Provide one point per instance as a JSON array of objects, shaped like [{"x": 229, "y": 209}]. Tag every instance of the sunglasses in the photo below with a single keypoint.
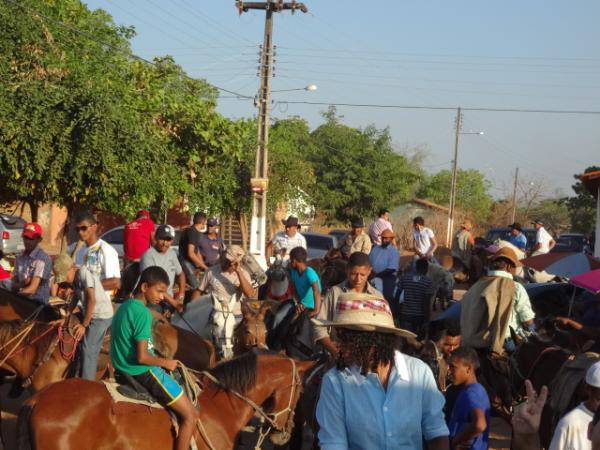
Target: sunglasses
[{"x": 83, "y": 227}]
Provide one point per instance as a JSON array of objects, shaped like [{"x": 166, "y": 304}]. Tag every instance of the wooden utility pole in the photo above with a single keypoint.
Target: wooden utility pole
[
  {"x": 451, "y": 209},
  {"x": 514, "y": 197},
  {"x": 260, "y": 183}
]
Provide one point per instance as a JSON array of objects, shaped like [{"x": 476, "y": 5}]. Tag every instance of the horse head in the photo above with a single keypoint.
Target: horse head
[{"x": 251, "y": 331}]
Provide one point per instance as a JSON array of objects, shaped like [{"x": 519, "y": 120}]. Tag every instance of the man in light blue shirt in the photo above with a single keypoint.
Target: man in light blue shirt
[
  {"x": 377, "y": 398},
  {"x": 517, "y": 238},
  {"x": 385, "y": 259}
]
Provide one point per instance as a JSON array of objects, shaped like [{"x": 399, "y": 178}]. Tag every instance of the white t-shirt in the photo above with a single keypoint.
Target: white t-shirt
[
  {"x": 86, "y": 279},
  {"x": 543, "y": 238},
  {"x": 281, "y": 240},
  {"x": 102, "y": 260},
  {"x": 423, "y": 240},
  {"x": 571, "y": 431}
]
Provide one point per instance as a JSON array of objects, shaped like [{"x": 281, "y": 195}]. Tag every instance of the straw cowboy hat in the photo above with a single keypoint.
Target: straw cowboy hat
[
  {"x": 364, "y": 312},
  {"x": 509, "y": 254}
]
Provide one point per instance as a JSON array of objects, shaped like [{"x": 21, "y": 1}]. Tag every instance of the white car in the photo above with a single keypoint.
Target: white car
[{"x": 114, "y": 237}]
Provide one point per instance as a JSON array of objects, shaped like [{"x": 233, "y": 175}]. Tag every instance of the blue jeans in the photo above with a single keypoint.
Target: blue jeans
[
  {"x": 386, "y": 285},
  {"x": 91, "y": 346}
]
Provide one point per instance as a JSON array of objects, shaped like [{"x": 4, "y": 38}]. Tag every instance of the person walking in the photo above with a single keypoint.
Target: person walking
[
  {"x": 376, "y": 397},
  {"x": 137, "y": 236},
  {"x": 95, "y": 306},
  {"x": 469, "y": 422},
  {"x": 543, "y": 240},
  {"x": 381, "y": 224},
  {"x": 162, "y": 255}
]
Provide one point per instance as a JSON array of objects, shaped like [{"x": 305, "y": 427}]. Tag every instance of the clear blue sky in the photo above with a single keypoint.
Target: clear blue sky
[{"x": 538, "y": 54}]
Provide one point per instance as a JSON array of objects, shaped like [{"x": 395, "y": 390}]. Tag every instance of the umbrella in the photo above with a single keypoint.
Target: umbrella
[
  {"x": 567, "y": 265},
  {"x": 589, "y": 281}
]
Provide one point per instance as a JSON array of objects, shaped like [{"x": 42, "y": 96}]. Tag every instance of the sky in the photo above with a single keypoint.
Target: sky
[{"x": 538, "y": 54}]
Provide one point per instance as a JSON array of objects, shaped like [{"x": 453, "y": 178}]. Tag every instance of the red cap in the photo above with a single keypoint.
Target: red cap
[
  {"x": 143, "y": 213},
  {"x": 32, "y": 230}
]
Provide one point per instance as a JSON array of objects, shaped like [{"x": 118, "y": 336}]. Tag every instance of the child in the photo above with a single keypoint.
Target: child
[
  {"x": 132, "y": 351},
  {"x": 95, "y": 305},
  {"x": 470, "y": 420},
  {"x": 307, "y": 285}
]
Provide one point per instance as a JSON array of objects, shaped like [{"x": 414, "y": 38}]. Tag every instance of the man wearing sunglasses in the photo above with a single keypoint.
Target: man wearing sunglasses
[
  {"x": 33, "y": 267},
  {"x": 100, "y": 257}
]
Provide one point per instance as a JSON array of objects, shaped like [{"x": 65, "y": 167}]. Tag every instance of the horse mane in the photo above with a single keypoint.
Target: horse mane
[{"x": 239, "y": 374}]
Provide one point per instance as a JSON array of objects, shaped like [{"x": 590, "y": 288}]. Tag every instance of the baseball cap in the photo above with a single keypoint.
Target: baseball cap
[
  {"x": 537, "y": 222},
  {"x": 166, "y": 232},
  {"x": 32, "y": 230},
  {"x": 143, "y": 213},
  {"x": 212, "y": 222},
  {"x": 61, "y": 266},
  {"x": 592, "y": 376}
]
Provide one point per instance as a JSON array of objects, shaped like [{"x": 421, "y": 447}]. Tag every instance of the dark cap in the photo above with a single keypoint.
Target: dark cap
[
  {"x": 537, "y": 222},
  {"x": 212, "y": 222},
  {"x": 166, "y": 232},
  {"x": 516, "y": 226},
  {"x": 357, "y": 223},
  {"x": 291, "y": 221}
]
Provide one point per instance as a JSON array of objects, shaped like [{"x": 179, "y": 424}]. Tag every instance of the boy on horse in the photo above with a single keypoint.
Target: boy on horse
[{"x": 132, "y": 353}]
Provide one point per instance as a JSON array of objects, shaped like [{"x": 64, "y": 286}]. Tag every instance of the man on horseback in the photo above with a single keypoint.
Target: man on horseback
[
  {"x": 132, "y": 352},
  {"x": 226, "y": 283},
  {"x": 356, "y": 240},
  {"x": 33, "y": 267},
  {"x": 359, "y": 269},
  {"x": 137, "y": 236},
  {"x": 162, "y": 255},
  {"x": 463, "y": 243},
  {"x": 285, "y": 241}
]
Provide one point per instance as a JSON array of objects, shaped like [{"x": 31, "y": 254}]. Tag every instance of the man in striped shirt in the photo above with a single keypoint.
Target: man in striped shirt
[{"x": 412, "y": 300}]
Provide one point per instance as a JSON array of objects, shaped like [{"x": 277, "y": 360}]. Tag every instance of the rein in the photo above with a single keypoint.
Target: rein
[{"x": 265, "y": 417}]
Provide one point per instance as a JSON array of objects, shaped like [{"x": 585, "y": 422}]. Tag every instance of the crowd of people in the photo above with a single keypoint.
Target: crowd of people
[{"x": 357, "y": 322}]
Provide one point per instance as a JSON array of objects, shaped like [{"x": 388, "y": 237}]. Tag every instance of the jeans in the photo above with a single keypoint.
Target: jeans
[
  {"x": 91, "y": 346},
  {"x": 188, "y": 270},
  {"x": 386, "y": 285}
]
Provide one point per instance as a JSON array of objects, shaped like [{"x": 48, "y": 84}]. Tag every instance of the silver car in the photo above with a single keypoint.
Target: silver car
[
  {"x": 114, "y": 237},
  {"x": 11, "y": 227}
]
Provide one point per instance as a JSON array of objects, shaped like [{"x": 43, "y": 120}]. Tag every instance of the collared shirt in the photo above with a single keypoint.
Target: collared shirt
[
  {"x": 384, "y": 258},
  {"x": 355, "y": 411},
  {"x": 328, "y": 304},
  {"x": 282, "y": 241},
  {"x": 521, "y": 310},
  {"x": 519, "y": 241},
  {"x": 377, "y": 227},
  {"x": 362, "y": 243},
  {"x": 34, "y": 264}
]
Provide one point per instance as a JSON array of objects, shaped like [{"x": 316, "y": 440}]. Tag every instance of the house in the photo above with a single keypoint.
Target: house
[{"x": 591, "y": 181}]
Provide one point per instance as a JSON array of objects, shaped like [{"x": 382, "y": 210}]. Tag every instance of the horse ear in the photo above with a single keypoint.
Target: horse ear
[
  {"x": 263, "y": 310},
  {"x": 246, "y": 311}
]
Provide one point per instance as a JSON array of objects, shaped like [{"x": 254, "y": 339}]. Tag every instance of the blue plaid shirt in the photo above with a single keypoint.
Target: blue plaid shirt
[
  {"x": 35, "y": 264},
  {"x": 355, "y": 412}
]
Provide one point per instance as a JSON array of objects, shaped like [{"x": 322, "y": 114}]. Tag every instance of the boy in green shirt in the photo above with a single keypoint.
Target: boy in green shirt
[{"x": 132, "y": 351}]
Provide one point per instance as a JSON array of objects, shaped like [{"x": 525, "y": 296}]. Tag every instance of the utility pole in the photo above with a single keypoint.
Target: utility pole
[
  {"x": 450, "y": 228},
  {"x": 514, "y": 197},
  {"x": 260, "y": 182}
]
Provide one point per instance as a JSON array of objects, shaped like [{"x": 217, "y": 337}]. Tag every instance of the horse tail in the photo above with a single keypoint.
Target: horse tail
[{"x": 24, "y": 437}]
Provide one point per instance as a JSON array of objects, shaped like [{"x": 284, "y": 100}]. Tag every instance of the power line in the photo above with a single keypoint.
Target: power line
[{"x": 125, "y": 52}]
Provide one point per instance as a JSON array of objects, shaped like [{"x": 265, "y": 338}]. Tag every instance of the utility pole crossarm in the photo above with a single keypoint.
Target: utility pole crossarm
[{"x": 275, "y": 6}]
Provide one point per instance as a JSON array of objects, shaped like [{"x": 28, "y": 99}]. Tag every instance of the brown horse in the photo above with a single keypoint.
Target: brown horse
[
  {"x": 251, "y": 332},
  {"x": 76, "y": 414},
  {"x": 17, "y": 307}
]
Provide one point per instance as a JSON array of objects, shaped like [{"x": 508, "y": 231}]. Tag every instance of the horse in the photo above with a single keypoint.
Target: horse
[
  {"x": 17, "y": 307},
  {"x": 251, "y": 332},
  {"x": 234, "y": 391}
]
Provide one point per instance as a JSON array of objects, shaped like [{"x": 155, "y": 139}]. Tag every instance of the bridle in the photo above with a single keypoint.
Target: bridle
[{"x": 271, "y": 419}]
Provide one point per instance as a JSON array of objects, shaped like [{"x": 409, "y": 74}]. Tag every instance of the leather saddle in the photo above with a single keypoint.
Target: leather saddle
[{"x": 129, "y": 387}]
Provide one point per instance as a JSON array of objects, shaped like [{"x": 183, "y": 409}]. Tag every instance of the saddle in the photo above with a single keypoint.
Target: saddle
[{"x": 131, "y": 389}]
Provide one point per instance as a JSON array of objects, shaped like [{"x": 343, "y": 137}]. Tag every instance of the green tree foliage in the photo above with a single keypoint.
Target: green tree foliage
[
  {"x": 472, "y": 191},
  {"x": 357, "y": 171},
  {"x": 582, "y": 206},
  {"x": 553, "y": 213}
]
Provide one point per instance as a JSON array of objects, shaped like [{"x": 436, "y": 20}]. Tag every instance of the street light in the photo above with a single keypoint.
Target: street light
[
  {"x": 450, "y": 228},
  {"x": 310, "y": 88}
]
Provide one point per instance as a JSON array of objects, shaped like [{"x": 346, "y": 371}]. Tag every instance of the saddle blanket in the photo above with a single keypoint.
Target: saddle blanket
[{"x": 117, "y": 397}]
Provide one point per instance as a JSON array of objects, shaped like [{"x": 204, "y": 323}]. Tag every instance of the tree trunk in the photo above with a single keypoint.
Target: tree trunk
[{"x": 34, "y": 208}]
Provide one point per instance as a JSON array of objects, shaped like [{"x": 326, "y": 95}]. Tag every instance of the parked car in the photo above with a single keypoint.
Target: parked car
[
  {"x": 319, "y": 244},
  {"x": 11, "y": 227},
  {"x": 114, "y": 237},
  {"x": 504, "y": 234},
  {"x": 576, "y": 242},
  {"x": 339, "y": 235}
]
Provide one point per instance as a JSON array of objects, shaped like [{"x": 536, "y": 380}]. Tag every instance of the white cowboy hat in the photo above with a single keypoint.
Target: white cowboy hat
[{"x": 364, "y": 312}]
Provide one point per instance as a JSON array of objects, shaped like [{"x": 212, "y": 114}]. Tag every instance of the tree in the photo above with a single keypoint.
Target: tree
[
  {"x": 472, "y": 191},
  {"x": 357, "y": 171},
  {"x": 553, "y": 213},
  {"x": 582, "y": 206}
]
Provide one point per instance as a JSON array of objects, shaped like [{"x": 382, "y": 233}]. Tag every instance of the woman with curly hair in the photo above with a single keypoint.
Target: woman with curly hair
[{"x": 377, "y": 397}]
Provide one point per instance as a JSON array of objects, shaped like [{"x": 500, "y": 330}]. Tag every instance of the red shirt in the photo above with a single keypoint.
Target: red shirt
[{"x": 137, "y": 238}]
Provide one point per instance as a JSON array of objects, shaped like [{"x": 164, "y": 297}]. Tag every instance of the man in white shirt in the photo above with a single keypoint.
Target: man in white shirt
[
  {"x": 424, "y": 240},
  {"x": 543, "y": 241},
  {"x": 571, "y": 433},
  {"x": 100, "y": 257},
  {"x": 285, "y": 241},
  {"x": 382, "y": 223}
]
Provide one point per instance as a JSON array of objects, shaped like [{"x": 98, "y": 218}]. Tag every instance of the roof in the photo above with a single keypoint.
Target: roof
[
  {"x": 429, "y": 204},
  {"x": 591, "y": 181}
]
